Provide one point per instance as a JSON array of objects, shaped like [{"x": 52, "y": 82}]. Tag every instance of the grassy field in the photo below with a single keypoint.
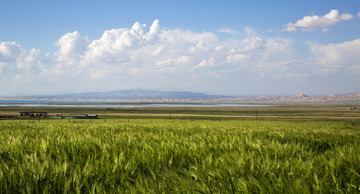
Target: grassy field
[
  {"x": 304, "y": 112},
  {"x": 286, "y": 150}
]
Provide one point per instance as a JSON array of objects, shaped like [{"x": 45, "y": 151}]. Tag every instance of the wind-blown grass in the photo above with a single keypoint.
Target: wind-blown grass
[{"x": 154, "y": 156}]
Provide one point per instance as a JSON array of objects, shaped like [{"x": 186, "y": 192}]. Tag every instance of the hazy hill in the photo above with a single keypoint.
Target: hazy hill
[
  {"x": 172, "y": 96},
  {"x": 126, "y": 94}
]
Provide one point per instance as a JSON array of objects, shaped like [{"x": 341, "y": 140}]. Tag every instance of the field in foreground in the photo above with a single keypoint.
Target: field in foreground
[{"x": 158, "y": 155}]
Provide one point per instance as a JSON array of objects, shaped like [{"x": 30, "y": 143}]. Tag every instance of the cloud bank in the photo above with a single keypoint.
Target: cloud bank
[
  {"x": 335, "y": 57},
  {"x": 12, "y": 53},
  {"x": 154, "y": 57},
  {"x": 142, "y": 50}
]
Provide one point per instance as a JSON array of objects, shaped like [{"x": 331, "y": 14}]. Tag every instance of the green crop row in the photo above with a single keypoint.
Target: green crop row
[{"x": 172, "y": 156}]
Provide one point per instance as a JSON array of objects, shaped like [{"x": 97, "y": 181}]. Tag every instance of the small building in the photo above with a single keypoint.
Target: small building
[
  {"x": 73, "y": 116},
  {"x": 352, "y": 108},
  {"x": 87, "y": 116},
  {"x": 33, "y": 114},
  {"x": 91, "y": 116},
  {"x": 7, "y": 116}
]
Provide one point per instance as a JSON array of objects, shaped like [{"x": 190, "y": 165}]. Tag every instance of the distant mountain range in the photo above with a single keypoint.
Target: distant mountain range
[
  {"x": 301, "y": 98},
  {"x": 138, "y": 95},
  {"x": 135, "y": 93}
]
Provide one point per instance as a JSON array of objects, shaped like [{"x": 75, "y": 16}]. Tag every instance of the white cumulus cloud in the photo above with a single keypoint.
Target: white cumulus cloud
[
  {"x": 28, "y": 59},
  {"x": 9, "y": 51},
  {"x": 332, "y": 57},
  {"x": 13, "y": 53},
  {"x": 71, "y": 45},
  {"x": 142, "y": 51},
  {"x": 151, "y": 57},
  {"x": 309, "y": 23}
]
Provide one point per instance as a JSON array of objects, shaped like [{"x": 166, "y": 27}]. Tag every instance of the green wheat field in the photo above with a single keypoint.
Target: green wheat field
[{"x": 164, "y": 155}]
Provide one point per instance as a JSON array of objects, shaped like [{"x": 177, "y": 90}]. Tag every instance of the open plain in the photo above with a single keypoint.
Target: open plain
[{"x": 275, "y": 149}]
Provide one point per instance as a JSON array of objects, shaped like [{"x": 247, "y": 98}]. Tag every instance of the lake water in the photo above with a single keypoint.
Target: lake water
[{"x": 87, "y": 104}]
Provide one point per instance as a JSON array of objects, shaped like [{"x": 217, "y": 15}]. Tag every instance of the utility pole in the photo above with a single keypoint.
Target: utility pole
[{"x": 170, "y": 113}]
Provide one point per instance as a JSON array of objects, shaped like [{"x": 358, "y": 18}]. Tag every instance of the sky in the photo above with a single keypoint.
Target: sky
[{"x": 228, "y": 47}]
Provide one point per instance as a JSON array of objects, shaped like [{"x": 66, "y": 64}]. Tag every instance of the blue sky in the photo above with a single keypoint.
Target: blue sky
[{"x": 216, "y": 47}]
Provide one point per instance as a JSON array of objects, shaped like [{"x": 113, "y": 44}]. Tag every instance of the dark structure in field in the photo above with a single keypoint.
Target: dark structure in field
[
  {"x": 7, "y": 116},
  {"x": 87, "y": 116},
  {"x": 33, "y": 114},
  {"x": 91, "y": 116}
]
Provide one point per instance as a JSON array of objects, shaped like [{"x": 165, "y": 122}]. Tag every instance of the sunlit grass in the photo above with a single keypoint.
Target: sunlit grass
[{"x": 178, "y": 156}]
